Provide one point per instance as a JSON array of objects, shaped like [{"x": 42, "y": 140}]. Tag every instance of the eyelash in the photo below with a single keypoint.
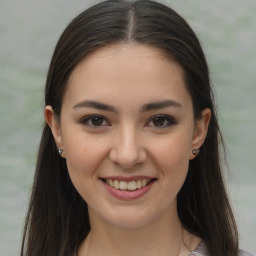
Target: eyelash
[
  {"x": 88, "y": 121},
  {"x": 166, "y": 121}
]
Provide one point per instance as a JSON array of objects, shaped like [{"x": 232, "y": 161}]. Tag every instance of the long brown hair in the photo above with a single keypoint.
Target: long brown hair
[{"x": 57, "y": 219}]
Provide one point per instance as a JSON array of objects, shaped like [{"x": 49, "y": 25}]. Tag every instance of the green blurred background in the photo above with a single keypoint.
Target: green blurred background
[{"x": 29, "y": 30}]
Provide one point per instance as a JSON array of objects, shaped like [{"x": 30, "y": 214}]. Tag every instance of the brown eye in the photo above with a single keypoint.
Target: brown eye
[
  {"x": 161, "y": 121},
  {"x": 95, "y": 121}
]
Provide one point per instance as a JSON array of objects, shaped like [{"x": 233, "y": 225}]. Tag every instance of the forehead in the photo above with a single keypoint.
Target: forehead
[
  {"x": 124, "y": 70},
  {"x": 129, "y": 54}
]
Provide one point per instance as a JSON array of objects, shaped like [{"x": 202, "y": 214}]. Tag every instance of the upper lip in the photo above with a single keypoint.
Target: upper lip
[{"x": 127, "y": 179}]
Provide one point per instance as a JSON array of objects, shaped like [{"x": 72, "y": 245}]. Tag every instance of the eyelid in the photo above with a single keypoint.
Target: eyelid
[
  {"x": 88, "y": 118},
  {"x": 170, "y": 119}
]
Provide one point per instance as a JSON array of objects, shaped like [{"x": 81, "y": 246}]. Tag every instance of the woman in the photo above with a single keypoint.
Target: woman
[{"x": 129, "y": 107}]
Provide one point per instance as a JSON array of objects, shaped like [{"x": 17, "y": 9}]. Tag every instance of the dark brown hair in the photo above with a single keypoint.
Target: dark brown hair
[{"x": 57, "y": 219}]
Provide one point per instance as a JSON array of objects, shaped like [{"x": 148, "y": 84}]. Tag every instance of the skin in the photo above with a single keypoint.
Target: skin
[{"x": 129, "y": 142}]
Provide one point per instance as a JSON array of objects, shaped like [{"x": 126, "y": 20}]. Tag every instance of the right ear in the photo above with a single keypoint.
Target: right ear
[{"x": 54, "y": 125}]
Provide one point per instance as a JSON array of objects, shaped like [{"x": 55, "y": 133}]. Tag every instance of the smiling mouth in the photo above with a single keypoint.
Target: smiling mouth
[{"x": 132, "y": 185}]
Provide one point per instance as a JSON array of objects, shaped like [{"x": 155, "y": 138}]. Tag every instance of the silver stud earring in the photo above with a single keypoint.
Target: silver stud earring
[
  {"x": 195, "y": 151},
  {"x": 60, "y": 151}
]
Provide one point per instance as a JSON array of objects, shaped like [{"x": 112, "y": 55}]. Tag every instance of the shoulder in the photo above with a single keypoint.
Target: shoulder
[
  {"x": 201, "y": 250},
  {"x": 244, "y": 253}
]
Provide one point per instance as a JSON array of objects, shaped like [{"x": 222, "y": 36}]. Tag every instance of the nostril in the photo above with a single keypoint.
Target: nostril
[{"x": 126, "y": 157}]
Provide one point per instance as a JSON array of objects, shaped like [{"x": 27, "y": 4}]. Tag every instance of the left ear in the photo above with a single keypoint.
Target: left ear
[{"x": 201, "y": 128}]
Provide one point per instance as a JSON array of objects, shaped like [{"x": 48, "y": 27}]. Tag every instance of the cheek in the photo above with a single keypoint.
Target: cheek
[
  {"x": 173, "y": 149},
  {"x": 84, "y": 153},
  {"x": 172, "y": 159},
  {"x": 83, "y": 161}
]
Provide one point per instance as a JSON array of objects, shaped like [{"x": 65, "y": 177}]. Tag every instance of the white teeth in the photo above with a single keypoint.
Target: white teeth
[
  {"x": 116, "y": 184},
  {"x": 138, "y": 185},
  {"x": 123, "y": 185},
  {"x": 131, "y": 185}
]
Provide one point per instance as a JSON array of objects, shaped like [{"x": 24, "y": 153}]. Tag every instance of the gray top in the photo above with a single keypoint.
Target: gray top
[{"x": 201, "y": 250}]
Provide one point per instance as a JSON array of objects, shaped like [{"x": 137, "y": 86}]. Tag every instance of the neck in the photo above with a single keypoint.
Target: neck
[{"x": 163, "y": 237}]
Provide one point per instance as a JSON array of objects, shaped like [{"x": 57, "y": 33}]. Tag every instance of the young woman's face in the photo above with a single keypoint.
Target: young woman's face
[{"x": 127, "y": 129}]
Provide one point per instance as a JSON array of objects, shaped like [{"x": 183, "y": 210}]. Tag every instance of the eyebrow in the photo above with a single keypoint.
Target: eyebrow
[
  {"x": 160, "y": 104},
  {"x": 147, "y": 107},
  {"x": 94, "y": 104}
]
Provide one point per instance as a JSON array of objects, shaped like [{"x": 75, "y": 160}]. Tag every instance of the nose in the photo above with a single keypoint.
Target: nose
[{"x": 127, "y": 149}]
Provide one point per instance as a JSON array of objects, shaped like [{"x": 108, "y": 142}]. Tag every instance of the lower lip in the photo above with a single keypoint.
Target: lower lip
[{"x": 128, "y": 195}]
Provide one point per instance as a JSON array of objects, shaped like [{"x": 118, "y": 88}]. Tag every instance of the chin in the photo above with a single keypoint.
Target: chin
[
  {"x": 122, "y": 217},
  {"x": 131, "y": 217}
]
